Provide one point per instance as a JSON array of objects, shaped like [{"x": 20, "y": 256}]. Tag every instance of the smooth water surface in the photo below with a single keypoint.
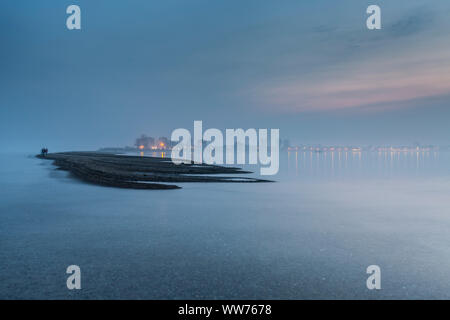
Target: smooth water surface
[{"x": 311, "y": 234}]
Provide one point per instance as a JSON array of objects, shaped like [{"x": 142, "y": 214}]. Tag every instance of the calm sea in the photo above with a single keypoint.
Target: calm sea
[{"x": 311, "y": 234}]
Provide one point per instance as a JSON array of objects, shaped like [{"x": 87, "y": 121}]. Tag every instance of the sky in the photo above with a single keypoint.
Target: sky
[{"x": 310, "y": 68}]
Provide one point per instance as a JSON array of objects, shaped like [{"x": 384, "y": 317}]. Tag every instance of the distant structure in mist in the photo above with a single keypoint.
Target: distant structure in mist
[{"x": 149, "y": 143}]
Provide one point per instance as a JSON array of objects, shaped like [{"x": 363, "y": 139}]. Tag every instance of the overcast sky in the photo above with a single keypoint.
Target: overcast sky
[{"x": 310, "y": 68}]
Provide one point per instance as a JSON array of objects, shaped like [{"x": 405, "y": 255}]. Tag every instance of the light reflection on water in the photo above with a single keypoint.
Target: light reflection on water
[
  {"x": 348, "y": 164},
  {"x": 156, "y": 154}
]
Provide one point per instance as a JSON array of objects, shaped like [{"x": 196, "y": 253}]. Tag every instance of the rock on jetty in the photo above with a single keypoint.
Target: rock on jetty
[{"x": 137, "y": 172}]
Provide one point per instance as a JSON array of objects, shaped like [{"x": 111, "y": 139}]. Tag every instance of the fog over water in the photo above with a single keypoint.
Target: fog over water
[
  {"x": 311, "y": 69},
  {"x": 311, "y": 234}
]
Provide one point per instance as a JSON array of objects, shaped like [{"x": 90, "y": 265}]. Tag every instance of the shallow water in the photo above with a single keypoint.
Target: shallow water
[{"x": 311, "y": 234}]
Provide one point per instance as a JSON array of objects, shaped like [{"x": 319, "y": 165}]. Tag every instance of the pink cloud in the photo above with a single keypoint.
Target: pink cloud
[{"x": 361, "y": 85}]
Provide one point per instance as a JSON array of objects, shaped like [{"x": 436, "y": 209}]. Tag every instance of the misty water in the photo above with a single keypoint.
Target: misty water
[{"x": 311, "y": 234}]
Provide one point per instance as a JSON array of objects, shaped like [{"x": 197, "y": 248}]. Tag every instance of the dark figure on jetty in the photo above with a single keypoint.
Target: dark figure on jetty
[{"x": 44, "y": 151}]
